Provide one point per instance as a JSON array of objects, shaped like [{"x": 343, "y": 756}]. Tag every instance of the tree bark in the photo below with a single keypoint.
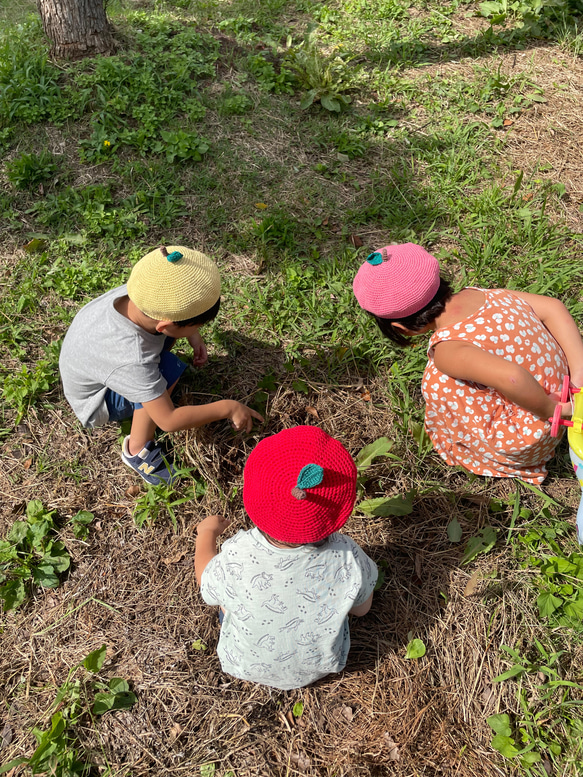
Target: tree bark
[{"x": 76, "y": 28}]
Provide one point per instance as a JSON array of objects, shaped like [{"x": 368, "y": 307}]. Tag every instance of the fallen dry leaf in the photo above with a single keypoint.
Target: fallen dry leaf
[
  {"x": 472, "y": 584},
  {"x": 175, "y": 558},
  {"x": 508, "y": 122},
  {"x": 301, "y": 760},
  {"x": 27, "y": 463},
  {"x": 347, "y": 713},
  {"x": 418, "y": 564},
  {"x": 6, "y": 736},
  {"x": 133, "y": 491},
  {"x": 392, "y": 747},
  {"x": 356, "y": 241},
  {"x": 366, "y": 396},
  {"x": 260, "y": 205},
  {"x": 312, "y": 411},
  {"x": 175, "y": 731}
]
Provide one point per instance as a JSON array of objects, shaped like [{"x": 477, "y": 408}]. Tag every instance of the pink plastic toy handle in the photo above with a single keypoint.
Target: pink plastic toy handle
[
  {"x": 565, "y": 392},
  {"x": 556, "y": 421}
]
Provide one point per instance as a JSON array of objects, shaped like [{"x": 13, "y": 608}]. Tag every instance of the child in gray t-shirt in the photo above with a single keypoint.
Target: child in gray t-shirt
[
  {"x": 287, "y": 587},
  {"x": 116, "y": 359}
]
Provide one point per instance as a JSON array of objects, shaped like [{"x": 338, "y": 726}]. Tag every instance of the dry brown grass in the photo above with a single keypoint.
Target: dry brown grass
[{"x": 135, "y": 591}]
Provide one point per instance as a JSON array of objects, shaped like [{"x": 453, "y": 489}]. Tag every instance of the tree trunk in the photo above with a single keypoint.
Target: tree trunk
[{"x": 76, "y": 28}]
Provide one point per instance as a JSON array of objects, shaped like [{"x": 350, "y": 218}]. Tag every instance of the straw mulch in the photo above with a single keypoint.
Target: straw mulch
[{"x": 135, "y": 591}]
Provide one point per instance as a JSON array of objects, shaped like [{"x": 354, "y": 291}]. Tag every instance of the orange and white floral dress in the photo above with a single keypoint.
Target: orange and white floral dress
[{"x": 475, "y": 426}]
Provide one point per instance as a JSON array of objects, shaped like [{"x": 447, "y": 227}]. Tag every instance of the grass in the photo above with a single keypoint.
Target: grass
[{"x": 423, "y": 122}]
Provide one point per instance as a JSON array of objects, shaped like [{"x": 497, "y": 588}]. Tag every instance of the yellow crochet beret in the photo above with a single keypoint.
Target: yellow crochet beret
[{"x": 173, "y": 283}]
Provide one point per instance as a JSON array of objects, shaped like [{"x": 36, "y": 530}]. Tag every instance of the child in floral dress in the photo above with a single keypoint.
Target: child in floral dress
[{"x": 496, "y": 361}]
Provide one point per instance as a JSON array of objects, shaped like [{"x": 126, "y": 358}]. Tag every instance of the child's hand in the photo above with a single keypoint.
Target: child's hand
[
  {"x": 566, "y": 409},
  {"x": 200, "y": 355},
  {"x": 576, "y": 377},
  {"x": 215, "y": 524},
  {"x": 242, "y": 417}
]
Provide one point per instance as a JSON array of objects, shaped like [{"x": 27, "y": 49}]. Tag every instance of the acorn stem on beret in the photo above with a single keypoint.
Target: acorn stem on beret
[
  {"x": 310, "y": 476},
  {"x": 163, "y": 250}
]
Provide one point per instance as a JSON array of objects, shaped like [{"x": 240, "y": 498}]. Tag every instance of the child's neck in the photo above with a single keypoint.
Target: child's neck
[
  {"x": 126, "y": 307},
  {"x": 461, "y": 305}
]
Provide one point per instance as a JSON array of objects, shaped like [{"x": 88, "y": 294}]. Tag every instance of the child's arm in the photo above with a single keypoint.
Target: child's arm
[
  {"x": 200, "y": 355},
  {"x": 172, "y": 419},
  {"x": 465, "y": 361},
  {"x": 206, "y": 544},
  {"x": 563, "y": 328},
  {"x": 362, "y": 609}
]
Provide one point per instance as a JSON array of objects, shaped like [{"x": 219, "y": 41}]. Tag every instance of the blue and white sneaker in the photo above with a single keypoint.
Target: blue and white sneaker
[{"x": 149, "y": 463}]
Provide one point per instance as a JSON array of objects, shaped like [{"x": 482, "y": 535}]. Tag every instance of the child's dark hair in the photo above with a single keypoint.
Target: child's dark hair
[
  {"x": 202, "y": 318},
  {"x": 292, "y": 544},
  {"x": 416, "y": 322}
]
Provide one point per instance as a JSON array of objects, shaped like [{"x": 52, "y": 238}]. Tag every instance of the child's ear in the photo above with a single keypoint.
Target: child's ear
[{"x": 161, "y": 326}]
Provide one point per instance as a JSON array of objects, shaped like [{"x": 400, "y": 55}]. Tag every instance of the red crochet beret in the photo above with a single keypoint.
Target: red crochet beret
[
  {"x": 299, "y": 486},
  {"x": 397, "y": 281}
]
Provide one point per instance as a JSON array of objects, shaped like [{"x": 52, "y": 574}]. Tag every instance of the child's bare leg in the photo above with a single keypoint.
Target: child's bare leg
[{"x": 143, "y": 428}]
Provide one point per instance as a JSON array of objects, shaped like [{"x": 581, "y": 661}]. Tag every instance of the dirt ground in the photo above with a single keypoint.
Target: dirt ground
[{"x": 134, "y": 590}]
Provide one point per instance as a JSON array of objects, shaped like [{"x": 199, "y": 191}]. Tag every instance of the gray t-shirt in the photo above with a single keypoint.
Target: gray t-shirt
[
  {"x": 105, "y": 350},
  {"x": 286, "y": 609}
]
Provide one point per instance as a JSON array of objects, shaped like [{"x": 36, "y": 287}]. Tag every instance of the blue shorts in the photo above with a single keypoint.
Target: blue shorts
[{"x": 171, "y": 368}]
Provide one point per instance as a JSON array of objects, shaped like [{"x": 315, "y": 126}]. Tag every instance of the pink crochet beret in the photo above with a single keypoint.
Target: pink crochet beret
[
  {"x": 397, "y": 281},
  {"x": 299, "y": 486}
]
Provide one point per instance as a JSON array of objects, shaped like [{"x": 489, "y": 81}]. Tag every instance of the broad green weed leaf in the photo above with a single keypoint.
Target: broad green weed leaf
[
  {"x": 198, "y": 644},
  {"x": 558, "y": 566},
  {"x": 12, "y": 764},
  {"x": 57, "y": 557},
  {"x": 118, "y": 685},
  {"x": 454, "y": 530},
  {"x": 113, "y": 701},
  {"x": 490, "y": 8},
  {"x": 95, "y": 660},
  {"x": 574, "y": 609},
  {"x": 298, "y": 709},
  {"x": 80, "y": 523},
  {"x": 300, "y": 385},
  {"x": 207, "y": 770},
  {"x": 308, "y": 99},
  {"x": 37, "y": 534},
  {"x": 415, "y": 649},
  {"x": 504, "y": 745},
  {"x": 528, "y": 759},
  {"x": 7, "y": 552},
  {"x": 382, "y": 566},
  {"x": 395, "y": 505},
  {"x": 547, "y": 604},
  {"x": 514, "y": 671},
  {"x": 34, "y": 510},
  {"x": 13, "y": 593},
  {"x": 18, "y": 531},
  {"x": 500, "y": 724},
  {"x": 366, "y": 455},
  {"x": 103, "y": 703},
  {"x": 330, "y": 104},
  {"x": 267, "y": 382},
  {"x": 45, "y": 575},
  {"x": 482, "y": 543}
]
